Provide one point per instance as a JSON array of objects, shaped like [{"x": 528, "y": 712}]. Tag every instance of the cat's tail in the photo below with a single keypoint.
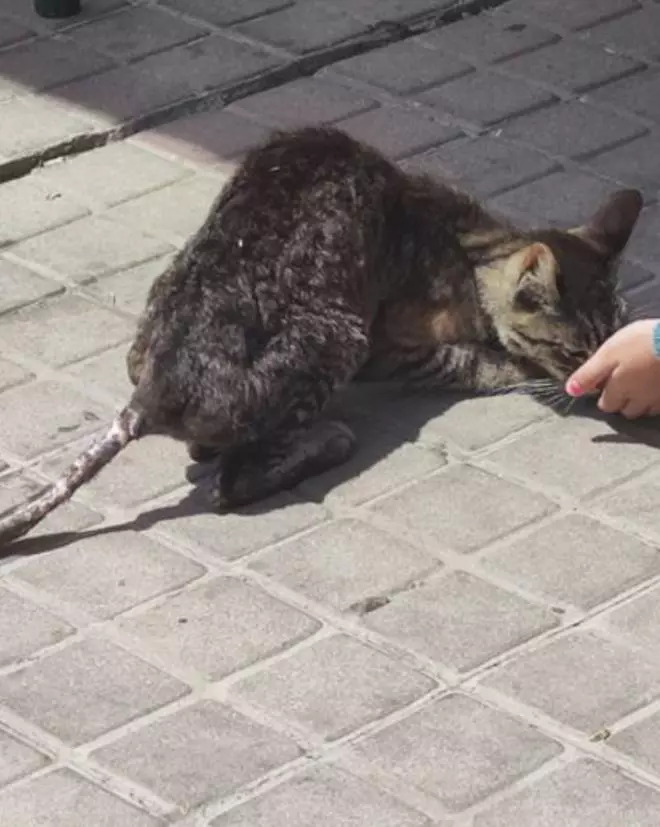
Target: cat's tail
[{"x": 126, "y": 427}]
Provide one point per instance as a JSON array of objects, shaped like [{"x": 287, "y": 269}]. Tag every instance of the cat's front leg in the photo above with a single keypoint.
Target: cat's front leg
[
  {"x": 474, "y": 368},
  {"x": 469, "y": 367}
]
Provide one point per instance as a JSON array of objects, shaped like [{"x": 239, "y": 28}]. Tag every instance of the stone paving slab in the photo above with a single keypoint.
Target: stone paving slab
[{"x": 459, "y": 627}]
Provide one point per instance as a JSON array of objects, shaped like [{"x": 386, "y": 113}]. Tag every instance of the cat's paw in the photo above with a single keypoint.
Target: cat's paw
[
  {"x": 201, "y": 453},
  {"x": 338, "y": 443}
]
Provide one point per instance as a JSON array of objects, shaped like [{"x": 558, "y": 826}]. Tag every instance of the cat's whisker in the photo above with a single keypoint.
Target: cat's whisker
[
  {"x": 548, "y": 393},
  {"x": 555, "y": 402},
  {"x": 527, "y": 386}
]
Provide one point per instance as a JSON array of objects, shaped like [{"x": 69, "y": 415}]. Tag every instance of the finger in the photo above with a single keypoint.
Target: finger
[
  {"x": 633, "y": 410},
  {"x": 592, "y": 374},
  {"x": 611, "y": 400}
]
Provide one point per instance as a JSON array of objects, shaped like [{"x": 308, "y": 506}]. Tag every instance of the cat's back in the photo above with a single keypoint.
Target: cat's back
[
  {"x": 304, "y": 179},
  {"x": 300, "y": 199},
  {"x": 298, "y": 160}
]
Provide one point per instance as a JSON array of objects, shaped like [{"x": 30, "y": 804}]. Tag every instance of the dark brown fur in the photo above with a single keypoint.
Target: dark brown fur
[{"x": 321, "y": 262}]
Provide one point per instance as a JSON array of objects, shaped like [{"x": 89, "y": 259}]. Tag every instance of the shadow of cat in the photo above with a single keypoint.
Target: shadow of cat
[
  {"x": 361, "y": 407},
  {"x": 379, "y": 434}
]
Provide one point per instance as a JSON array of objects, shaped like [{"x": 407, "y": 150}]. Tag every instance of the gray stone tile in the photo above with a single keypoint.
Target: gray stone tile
[
  {"x": 147, "y": 469},
  {"x": 399, "y": 132},
  {"x": 17, "y": 759},
  {"x": 11, "y": 374},
  {"x": 110, "y": 174},
  {"x": 638, "y": 620},
  {"x": 17, "y": 488},
  {"x": 106, "y": 372},
  {"x": 640, "y": 742},
  {"x": 636, "y": 502},
  {"x": 219, "y": 627},
  {"x": 145, "y": 86},
  {"x": 172, "y": 213},
  {"x": 65, "y": 799},
  {"x": 631, "y": 33},
  {"x": 334, "y": 686},
  {"x": 229, "y": 536},
  {"x": 639, "y": 94},
  {"x": 581, "y": 793},
  {"x": 86, "y": 689},
  {"x": 63, "y": 329},
  {"x": 572, "y": 128},
  {"x": 484, "y": 98},
  {"x": 326, "y": 797},
  {"x": 345, "y": 562},
  {"x": 459, "y": 751},
  {"x": 28, "y": 628},
  {"x": 470, "y": 423},
  {"x": 304, "y": 101},
  {"x": 304, "y": 27},
  {"x": 227, "y": 12},
  {"x": 79, "y": 804},
  {"x": 573, "y": 456},
  {"x": 208, "y": 137},
  {"x": 562, "y": 199},
  {"x": 379, "y": 11},
  {"x": 44, "y": 415},
  {"x": 381, "y": 463},
  {"x": 634, "y": 164},
  {"x": 573, "y": 16},
  {"x": 12, "y": 32},
  {"x": 403, "y": 67},
  {"x": 489, "y": 37},
  {"x": 135, "y": 32},
  {"x": 581, "y": 680},
  {"x": 572, "y": 66},
  {"x": 128, "y": 289},
  {"x": 644, "y": 244},
  {"x": 91, "y": 10},
  {"x": 460, "y": 621},
  {"x": 28, "y": 208},
  {"x": 576, "y": 560},
  {"x": 37, "y": 123},
  {"x": 90, "y": 247},
  {"x": 483, "y": 166},
  {"x": 645, "y": 299},
  {"x": 449, "y": 498},
  {"x": 46, "y": 63},
  {"x": 631, "y": 275},
  {"x": 106, "y": 574},
  {"x": 200, "y": 753},
  {"x": 19, "y": 286}
]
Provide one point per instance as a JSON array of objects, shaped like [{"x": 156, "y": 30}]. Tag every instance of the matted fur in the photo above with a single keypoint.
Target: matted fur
[{"x": 321, "y": 262}]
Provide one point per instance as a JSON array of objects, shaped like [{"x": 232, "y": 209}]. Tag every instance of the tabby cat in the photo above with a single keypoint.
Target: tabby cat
[{"x": 321, "y": 262}]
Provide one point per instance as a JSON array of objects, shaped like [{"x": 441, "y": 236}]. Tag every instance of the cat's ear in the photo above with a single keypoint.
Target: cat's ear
[
  {"x": 536, "y": 270},
  {"x": 611, "y": 226}
]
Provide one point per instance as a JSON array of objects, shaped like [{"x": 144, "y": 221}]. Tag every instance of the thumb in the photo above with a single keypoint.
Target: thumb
[{"x": 593, "y": 373}]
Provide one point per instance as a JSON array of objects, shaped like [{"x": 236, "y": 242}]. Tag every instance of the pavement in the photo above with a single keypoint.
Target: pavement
[{"x": 461, "y": 627}]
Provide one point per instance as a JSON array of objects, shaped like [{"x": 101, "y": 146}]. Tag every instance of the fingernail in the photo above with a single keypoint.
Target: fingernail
[{"x": 573, "y": 388}]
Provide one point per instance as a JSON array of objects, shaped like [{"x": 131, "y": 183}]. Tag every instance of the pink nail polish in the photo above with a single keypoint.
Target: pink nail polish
[{"x": 573, "y": 388}]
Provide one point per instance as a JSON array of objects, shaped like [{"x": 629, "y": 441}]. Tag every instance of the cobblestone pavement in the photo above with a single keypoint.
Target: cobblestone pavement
[{"x": 459, "y": 628}]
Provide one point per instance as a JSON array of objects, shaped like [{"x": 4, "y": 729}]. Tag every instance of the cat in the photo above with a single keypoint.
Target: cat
[{"x": 321, "y": 262}]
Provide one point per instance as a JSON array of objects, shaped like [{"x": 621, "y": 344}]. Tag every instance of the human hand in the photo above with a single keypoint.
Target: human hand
[{"x": 625, "y": 370}]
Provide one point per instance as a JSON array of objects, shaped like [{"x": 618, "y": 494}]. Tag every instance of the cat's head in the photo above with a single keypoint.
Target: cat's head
[{"x": 563, "y": 299}]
